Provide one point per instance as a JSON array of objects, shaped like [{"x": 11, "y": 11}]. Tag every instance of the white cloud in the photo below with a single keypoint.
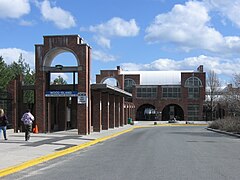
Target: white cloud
[
  {"x": 103, "y": 42},
  {"x": 12, "y": 54},
  {"x": 26, "y": 23},
  {"x": 231, "y": 10},
  {"x": 116, "y": 27},
  {"x": 223, "y": 67},
  {"x": 61, "y": 18},
  {"x": 101, "y": 56},
  {"x": 188, "y": 27},
  {"x": 14, "y": 8}
]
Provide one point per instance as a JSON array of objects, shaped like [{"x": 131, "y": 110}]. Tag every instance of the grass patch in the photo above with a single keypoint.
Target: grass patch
[{"x": 229, "y": 124}]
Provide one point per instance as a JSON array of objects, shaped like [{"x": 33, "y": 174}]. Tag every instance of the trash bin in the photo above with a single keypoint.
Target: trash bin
[{"x": 129, "y": 120}]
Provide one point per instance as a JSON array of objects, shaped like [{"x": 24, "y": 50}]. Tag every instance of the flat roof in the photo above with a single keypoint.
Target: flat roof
[
  {"x": 110, "y": 89},
  {"x": 158, "y": 77}
]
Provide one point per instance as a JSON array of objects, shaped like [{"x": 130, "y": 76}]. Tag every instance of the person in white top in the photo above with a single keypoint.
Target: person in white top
[{"x": 27, "y": 120}]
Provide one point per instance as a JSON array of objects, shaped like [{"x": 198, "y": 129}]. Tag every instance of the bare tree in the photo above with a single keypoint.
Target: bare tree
[
  {"x": 232, "y": 96},
  {"x": 213, "y": 91}
]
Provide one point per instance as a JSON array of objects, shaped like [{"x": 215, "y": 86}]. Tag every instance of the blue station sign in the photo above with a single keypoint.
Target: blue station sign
[{"x": 61, "y": 93}]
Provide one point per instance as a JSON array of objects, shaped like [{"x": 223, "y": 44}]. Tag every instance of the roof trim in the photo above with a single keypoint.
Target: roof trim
[{"x": 110, "y": 89}]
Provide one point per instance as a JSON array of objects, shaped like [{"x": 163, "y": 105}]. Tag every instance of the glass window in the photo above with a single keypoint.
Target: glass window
[
  {"x": 193, "y": 84},
  {"x": 146, "y": 91},
  {"x": 171, "y": 92},
  {"x": 193, "y": 112},
  {"x": 128, "y": 85}
]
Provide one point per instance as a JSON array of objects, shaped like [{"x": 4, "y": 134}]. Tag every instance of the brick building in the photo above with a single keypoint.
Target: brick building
[
  {"x": 162, "y": 95},
  {"x": 79, "y": 105},
  {"x": 137, "y": 95}
]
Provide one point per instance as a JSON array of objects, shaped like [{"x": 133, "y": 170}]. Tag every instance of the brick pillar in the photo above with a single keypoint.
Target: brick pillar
[
  {"x": 83, "y": 87},
  {"x": 117, "y": 111},
  {"x": 121, "y": 111},
  {"x": 40, "y": 107},
  {"x": 111, "y": 111},
  {"x": 97, "y": 112},
  {"x": 125, "y": 114},
  {"x": 132, "y": 112},
  {"x": 105, "y": 111},
  {"x": 129, "y": 111}
]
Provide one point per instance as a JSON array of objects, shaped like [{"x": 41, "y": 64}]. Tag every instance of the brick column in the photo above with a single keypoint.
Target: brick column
[
  {"x": 125, "y": 114},
  {"x": 121, "y": 111},
  {"x": 97, "y": 112},
  {"x": 111, "y": 111},
  {"x": 83, "y": 118},
  {"x": 117, "y": 111},
  {"x": 105, "y": 111},
  {"x": 40, "y": 107},
  {"x": 129, "y": 111}
]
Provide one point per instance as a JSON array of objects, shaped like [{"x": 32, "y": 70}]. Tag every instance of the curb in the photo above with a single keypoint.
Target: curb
[
  {"x": 179, "y": 125},
  {"x": 16, "y": 168},
  {"x": 224, "y": 132}
]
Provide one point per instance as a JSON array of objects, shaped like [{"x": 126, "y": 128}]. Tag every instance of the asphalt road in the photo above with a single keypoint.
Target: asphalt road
[{"x": 161, "y": 153}]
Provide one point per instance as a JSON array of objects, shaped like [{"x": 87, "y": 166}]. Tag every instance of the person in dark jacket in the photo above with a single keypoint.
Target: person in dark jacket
[
  {"x": 27, "y": 120},
  {"x": 3, "y": 123}
]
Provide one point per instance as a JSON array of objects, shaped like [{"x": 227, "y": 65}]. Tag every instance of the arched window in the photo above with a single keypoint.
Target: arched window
[
  {"x": 128, "y": 84},
  {"x": 193, "y": 84}
]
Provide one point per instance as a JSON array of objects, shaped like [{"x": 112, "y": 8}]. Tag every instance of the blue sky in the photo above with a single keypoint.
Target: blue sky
[{"x": 135, "y": 34}]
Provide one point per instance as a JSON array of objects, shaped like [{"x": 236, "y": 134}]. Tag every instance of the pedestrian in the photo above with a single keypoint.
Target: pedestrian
[
  {"x": 27, "y": 120},
  {"x": 3, "y": 124}
]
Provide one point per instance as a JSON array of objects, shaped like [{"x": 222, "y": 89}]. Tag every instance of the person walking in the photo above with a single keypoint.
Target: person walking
[
  {"x": 27, "y": 120},
  {"x": 3, "y": 124}
]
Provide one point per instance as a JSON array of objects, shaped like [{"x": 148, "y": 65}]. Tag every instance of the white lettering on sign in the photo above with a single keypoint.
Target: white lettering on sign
[{"x": 82, "y": 98}]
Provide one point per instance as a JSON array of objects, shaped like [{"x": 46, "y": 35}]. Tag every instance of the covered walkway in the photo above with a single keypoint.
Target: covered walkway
[{"x": 108, "y": 107}]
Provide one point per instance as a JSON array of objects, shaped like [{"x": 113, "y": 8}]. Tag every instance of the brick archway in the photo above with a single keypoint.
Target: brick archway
[
  {"x": 116, "y": 74},
  {"x": 44, "y": 54},
  {"x": 172, "y": 111},
  {"x": 52, "y": 53}
]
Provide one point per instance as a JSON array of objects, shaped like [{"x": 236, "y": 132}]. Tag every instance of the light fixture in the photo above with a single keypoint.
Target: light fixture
[{"x": 59, "y": 66}]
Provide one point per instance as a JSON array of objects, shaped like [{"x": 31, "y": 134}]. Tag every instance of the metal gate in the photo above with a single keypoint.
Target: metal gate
[{"x": 6, "y": 105}]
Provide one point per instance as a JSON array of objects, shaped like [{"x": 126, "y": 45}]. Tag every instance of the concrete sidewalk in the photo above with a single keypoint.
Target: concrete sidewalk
[{"x": 42, "y": 147}]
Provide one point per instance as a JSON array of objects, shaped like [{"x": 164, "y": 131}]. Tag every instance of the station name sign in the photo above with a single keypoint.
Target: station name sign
[{"x": 61, "y": 93}]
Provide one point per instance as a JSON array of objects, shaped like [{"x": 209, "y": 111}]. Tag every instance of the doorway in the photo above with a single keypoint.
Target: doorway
[{"x": 172, "y": 111}]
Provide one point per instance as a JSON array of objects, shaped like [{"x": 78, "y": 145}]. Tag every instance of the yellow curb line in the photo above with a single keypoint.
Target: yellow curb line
[
  {"x": 170, "y": 125},
  {"x": 180, "y": 125},
  {"x": 16, "y": 168}
]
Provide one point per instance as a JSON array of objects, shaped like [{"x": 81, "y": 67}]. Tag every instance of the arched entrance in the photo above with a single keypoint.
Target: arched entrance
[
  {"x": 53, "y": 101},
  {"x": 146, "y": 112},
  {"x": 61, "y": 93},
  {"x": 172, "y": 110}
]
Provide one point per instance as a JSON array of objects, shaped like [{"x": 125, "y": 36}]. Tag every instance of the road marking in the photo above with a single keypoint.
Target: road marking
[{"x": 27, "y": 164}]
